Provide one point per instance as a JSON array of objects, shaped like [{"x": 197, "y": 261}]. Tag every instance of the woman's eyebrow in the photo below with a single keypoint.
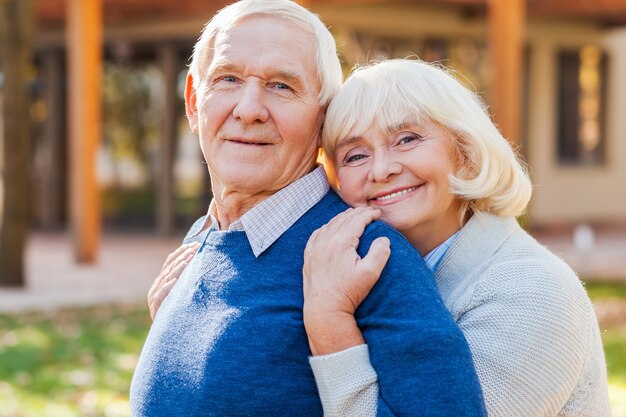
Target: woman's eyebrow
[
  {"x": 400, "y": 126},
  {"x": 347, "y": 142}
]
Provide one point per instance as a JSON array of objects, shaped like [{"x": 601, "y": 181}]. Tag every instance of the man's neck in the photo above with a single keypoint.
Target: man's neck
[
  {"x": 229, "y": 208},
  {"x": 230, "y": 204}
]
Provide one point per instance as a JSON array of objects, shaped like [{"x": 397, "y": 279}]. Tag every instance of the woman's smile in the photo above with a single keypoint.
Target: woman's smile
[{"x": 391, "y": 197}]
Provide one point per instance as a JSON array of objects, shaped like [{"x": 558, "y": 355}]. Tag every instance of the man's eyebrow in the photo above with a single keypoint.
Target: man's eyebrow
[
  {"x": 222, "y": 67},
  {"x": 289, "y": 78}
]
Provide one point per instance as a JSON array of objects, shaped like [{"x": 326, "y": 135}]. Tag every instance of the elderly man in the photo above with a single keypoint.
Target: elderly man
[{"x": 230, "y": 340}]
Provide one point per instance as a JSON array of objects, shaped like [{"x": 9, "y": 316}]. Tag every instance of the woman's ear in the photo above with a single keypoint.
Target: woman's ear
[
  {"x": 191, "y": 108},
  {"x": 329, "y": 167},
  {"x": 321, "y": 130}
]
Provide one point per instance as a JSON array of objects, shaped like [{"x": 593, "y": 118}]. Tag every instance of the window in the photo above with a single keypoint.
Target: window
[{"x": 581, "y": 95}]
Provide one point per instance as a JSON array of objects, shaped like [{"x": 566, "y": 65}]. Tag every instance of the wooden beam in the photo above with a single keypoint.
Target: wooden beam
[
  {"x": 168, "y": 57},
  {"x": 577, "y": 7},
  {"x": 84, "y": 39},
  {"x": 16, "y": 33},
  {"x": 51, "y": 204},
  {"x": 506, "y": 37}
]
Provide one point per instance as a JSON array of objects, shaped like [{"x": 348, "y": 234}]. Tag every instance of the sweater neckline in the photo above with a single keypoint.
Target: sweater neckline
[
  {"x": 218, "y": 238},
  {"x": 478, "y": 241}
]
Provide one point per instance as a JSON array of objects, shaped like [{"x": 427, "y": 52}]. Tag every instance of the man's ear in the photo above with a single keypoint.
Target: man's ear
[{"x": 191, "y": 107}]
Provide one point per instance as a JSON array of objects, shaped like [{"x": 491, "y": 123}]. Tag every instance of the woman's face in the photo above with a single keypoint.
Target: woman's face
[{"x": 405, "y": 175}]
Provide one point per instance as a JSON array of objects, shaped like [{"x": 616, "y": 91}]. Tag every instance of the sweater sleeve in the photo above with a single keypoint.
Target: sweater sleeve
[
  {"x": 422, "y": 360},
  {"x": 347, "y": 382},
  {"x": 531, "y": 329}
]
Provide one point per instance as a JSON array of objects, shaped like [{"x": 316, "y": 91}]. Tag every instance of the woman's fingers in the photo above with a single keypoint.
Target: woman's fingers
[
  {"x": 174, "y": 255},
  {"x": 375, "y": 260},
  {"x": 354, "y": 218},
  {"x": 336, "y": 279},
  {"x": 173, "y": 267},
  {"x": 346, "y": 227}
]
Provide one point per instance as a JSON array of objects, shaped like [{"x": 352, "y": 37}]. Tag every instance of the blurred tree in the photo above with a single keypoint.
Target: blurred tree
[{"x": 16, "y": 30}]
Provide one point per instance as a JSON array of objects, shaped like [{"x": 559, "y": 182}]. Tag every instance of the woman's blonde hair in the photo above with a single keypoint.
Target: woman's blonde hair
[
  {"x": 327, "y": 62},
  {"x": 490, "y": 177}
]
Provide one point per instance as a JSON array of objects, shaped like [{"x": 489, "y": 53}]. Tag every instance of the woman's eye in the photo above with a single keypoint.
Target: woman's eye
[
  {"x": 407, "y": 139},
  {"x": 355, "y": 158},
  {"x": 229, "y": 78}
]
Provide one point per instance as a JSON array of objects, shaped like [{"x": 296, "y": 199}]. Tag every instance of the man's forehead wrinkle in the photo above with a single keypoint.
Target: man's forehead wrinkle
[{"x": 223, "y": 63}]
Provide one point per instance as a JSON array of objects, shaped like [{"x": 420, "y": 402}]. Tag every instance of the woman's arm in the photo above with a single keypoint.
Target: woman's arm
[
  {"x": 337, "y": 280},
  {"x": 535, "y": 341},
  {"x": 422, "y": 360},
  {"x": 346, "y": 380}
]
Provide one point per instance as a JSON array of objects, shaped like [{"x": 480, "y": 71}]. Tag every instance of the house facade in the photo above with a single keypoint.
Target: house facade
[{"x": 150, "y": 171}]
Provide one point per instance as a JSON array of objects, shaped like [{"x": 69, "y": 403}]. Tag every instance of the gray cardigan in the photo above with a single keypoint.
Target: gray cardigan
[{"x": 529, "y": 323}]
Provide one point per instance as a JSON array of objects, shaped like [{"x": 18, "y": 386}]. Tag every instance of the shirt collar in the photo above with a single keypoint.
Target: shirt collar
[
  {"x": 268, "y": 220},
  {"x": 434, "y": 257}
]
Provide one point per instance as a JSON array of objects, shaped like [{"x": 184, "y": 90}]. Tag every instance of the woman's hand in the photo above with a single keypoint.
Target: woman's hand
[
  {"x": 174, "y": 265},
  {"x": 337, "y": 279}
]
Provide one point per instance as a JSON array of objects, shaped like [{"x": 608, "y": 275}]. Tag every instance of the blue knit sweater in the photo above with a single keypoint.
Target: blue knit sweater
[{"x": 229, "y": 340}]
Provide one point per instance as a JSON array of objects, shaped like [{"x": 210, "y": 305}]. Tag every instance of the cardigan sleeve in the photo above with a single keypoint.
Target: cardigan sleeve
[
  {"x": 531, "y": 327},
  {"x": 419, "y": 354},
  {"x": 347, "y": 382}
]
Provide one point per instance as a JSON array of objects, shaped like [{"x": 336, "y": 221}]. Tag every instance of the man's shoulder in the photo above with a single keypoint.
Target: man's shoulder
[
  {"x": 399, "y": 243},
  {"x": 324, "y": 210},
  {"x": 331, "y": 205}
]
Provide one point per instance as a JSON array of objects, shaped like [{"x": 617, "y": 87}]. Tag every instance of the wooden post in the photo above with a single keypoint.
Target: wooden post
[
  {"x": 52, "y": 188},
  {"x": 16, "y": 32},
  {"x": 506, "y": 38},
  {"x": 168, "y": 57},
  {"x": 84, "y": 40}
]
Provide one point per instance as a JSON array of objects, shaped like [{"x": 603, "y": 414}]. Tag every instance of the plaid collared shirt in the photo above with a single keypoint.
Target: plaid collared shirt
[
  {"x": 268, "y": 220},
  {"x": 434, "y": 257}
]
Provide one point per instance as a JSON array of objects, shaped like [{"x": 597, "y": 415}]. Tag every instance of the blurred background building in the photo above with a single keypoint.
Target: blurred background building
[{"x": 571, "y": 108}]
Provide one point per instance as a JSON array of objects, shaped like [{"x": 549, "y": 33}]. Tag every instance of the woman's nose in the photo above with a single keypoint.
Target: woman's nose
[{"x": 384, "y": 167}]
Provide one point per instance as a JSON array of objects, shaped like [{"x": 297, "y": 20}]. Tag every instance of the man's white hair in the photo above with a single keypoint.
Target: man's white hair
[
  {"x": 490, "y": 176},
  {"x": 327, "y": 62}
]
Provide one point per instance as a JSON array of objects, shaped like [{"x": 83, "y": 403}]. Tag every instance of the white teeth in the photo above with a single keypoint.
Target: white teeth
[{"x": 396, "y": 194}]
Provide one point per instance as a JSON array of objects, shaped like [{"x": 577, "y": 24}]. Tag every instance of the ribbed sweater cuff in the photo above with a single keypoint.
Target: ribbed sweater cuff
[{"x": 342, "y": 375}]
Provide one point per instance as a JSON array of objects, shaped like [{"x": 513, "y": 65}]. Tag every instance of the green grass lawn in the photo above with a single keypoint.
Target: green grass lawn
[
  {"x": 75, "y": 362},
  {"x": 610, "y": 302},
  {"x": 79, "y": 362}
]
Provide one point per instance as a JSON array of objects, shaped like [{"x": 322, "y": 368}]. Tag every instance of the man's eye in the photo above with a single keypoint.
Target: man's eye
[
  {"x": 229, "y": 78},
  {"x": 282, "y": 86}
]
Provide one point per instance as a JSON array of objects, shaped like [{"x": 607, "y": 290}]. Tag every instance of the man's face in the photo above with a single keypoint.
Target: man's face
[{"x": 257, "y": 112}]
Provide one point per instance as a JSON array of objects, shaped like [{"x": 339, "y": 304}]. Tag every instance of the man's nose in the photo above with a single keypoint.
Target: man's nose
[
  {"x": 383, "y": 167},
  {"x": 251, "y": 106}
]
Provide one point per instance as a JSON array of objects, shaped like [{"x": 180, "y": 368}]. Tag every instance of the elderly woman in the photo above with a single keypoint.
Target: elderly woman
[{"x": 407, "y": 140}]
